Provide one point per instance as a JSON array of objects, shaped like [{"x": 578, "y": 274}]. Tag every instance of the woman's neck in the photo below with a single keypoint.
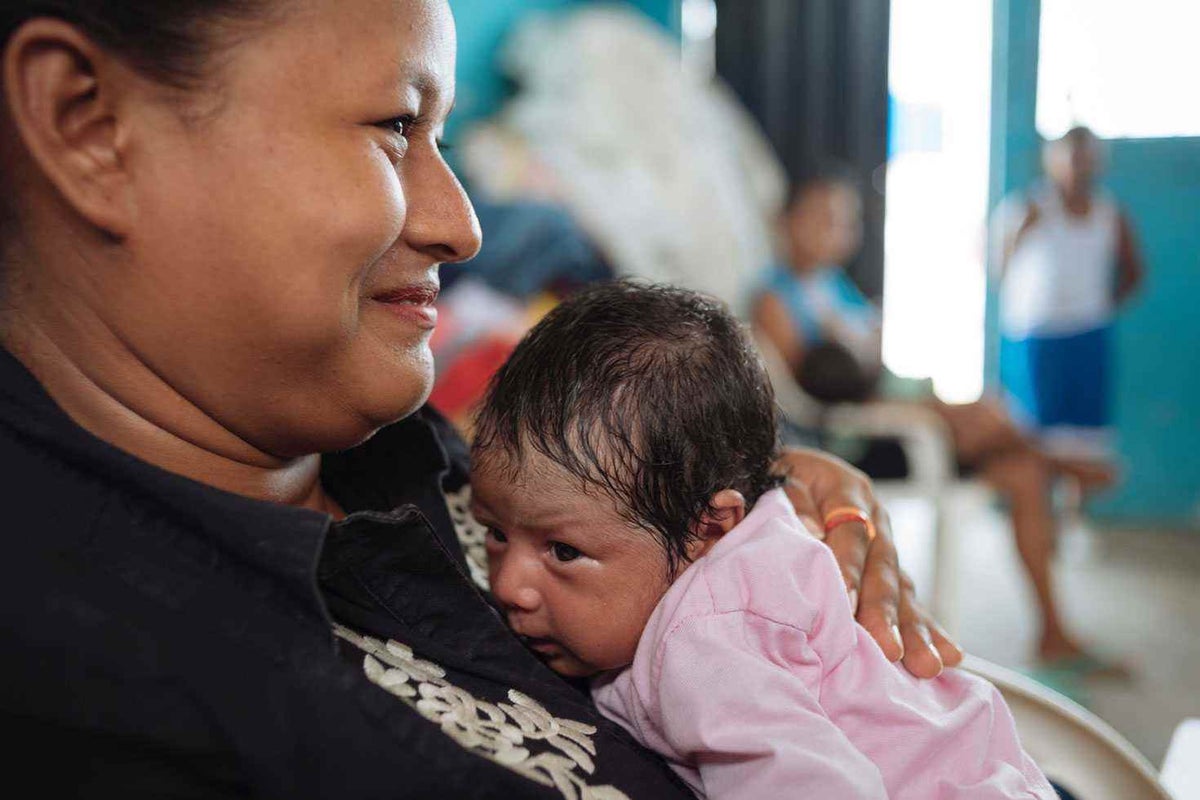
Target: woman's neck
[
  {"x": 111, "y": 393},
  {"x": 801, "y": 262}
]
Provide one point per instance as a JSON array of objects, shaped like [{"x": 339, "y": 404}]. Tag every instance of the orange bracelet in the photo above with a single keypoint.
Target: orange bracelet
[{"x": 840, "y": 516}]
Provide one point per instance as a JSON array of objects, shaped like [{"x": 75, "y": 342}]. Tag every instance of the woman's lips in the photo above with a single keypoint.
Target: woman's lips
[{"x": 412, "y": 303}]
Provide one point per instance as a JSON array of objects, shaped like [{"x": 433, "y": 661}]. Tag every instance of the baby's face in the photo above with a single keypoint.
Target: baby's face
[{"x": 576, "y": 581}]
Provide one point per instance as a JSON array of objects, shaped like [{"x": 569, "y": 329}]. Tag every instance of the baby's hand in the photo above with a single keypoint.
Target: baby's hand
[{"x": 882, "y": 595}]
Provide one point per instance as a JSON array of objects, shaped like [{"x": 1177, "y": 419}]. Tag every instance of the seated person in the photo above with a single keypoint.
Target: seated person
[
  {"x": 829, "y": 335},
  {"x": 637, "y": 534}
]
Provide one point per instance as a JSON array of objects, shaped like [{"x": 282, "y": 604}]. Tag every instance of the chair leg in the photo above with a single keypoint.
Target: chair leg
[{"x": 945, "y": 569}]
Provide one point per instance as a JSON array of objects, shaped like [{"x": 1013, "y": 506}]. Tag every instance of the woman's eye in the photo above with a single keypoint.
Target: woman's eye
[
  {"x": 400, "y": 131},
  {"x": 564, "y": 552},
  {"x": 497, "y": 535}
]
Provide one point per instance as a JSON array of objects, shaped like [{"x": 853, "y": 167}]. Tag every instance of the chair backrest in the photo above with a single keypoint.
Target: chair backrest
[
  {"x": 797, "y": 407},
  {"x": 1073, "y": 746},
  {"x": 1181, "y": 767}
]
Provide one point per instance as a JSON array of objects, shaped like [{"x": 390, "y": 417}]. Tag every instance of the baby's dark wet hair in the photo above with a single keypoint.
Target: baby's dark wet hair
[{"x": 652, "y": 394}]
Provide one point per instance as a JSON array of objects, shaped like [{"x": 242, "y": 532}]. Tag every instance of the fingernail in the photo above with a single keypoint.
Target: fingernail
[
  {"x": 853, "y": 601},
  {"x": 936, "y": 655},
  {"x": 899, "y": 640}
]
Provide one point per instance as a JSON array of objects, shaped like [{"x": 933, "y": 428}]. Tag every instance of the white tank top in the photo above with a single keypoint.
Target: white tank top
[{"x": 1061, "y": 279}]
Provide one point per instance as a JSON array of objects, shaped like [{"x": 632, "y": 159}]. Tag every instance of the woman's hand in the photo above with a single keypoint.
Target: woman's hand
[{"x": 881, "y": 593}]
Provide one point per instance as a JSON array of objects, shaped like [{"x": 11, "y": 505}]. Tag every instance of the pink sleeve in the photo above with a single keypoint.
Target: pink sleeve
[
  {"x": 949, "y": 737},
  {"x": 751, "y": 726},
  {"x": 793, "y": 699}
]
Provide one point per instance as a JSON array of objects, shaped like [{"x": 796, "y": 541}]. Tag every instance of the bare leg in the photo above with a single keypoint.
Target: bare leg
[
  {"x": 1023, "y": 478},
  {"x": 983, "y": 430},
  {"x": 980, "y": 429}
]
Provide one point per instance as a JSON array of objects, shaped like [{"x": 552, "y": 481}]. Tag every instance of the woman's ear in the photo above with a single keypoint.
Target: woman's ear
[
  {"x": 62, "y": 94},
  {"x": 726, "y": 509}
]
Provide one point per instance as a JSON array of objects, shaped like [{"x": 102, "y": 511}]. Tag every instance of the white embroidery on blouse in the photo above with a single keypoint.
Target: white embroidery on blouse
[
  {"x": 471, "y": 534},
  {"x": 502, "y": 732}
]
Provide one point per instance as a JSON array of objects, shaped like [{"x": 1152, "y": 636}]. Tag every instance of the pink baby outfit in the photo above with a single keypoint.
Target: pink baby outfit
[{"x": 754, "y": 681}]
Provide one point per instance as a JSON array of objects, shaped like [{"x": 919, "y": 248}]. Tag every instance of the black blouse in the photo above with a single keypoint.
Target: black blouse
[{"x": 162, "y": 638}]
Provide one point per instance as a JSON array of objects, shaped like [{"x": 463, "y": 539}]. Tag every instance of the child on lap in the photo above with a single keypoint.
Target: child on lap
[{"x": 637, "y": 536}]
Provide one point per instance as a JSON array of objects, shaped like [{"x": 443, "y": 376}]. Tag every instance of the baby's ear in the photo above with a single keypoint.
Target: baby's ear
[{"x": 726, "y": 509}]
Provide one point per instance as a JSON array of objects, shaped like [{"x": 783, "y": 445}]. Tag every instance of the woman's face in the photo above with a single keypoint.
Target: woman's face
[
  {"x": 825, "y": 225},
  {"x": 282, "y": 267}
]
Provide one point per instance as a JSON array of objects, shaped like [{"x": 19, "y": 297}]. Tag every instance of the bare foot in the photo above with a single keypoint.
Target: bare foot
[
  {"x": 1057, "y": 647},
  {"x": 1057, "y": 652}
]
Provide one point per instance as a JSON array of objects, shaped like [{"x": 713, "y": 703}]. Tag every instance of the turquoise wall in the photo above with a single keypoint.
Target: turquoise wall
[
  {"x": 482, "y": 26},
  {"x": 665, "y": 12},
  {"x": 1158, "y": 338}
]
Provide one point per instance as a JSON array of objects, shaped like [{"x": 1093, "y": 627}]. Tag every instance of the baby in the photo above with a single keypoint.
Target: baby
[{"x": 637, "y": 535}]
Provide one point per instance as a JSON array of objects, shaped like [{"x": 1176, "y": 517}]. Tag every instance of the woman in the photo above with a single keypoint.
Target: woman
[{"x": 221, "y": 233}]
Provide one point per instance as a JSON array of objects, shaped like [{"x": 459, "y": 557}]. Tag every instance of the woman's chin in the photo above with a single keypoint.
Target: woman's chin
[
  {"x": 405, "y": 391},
  {"x": 351, "y": 422}
]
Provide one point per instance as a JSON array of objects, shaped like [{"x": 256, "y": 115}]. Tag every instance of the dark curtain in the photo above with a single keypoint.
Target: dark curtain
[{"x": 814, "y": 73}]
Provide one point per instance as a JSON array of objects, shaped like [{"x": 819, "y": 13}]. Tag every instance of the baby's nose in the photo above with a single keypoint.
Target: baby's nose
[{"x": 513, "y": 585}]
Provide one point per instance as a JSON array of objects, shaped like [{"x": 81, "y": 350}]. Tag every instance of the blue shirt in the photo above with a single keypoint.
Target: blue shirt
[{"x": 814, "y": 298}]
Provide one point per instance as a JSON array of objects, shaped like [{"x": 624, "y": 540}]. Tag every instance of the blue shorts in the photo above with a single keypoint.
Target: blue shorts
[{"x": 1059, "y": 380}]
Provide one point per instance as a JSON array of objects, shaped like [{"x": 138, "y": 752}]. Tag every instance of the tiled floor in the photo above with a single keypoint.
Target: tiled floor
[{"x": 1132, "y": 596}]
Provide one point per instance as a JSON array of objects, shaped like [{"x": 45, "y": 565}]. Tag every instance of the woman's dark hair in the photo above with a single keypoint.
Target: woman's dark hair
[
  {"x": 822, "y": 173},
  {"x": 167, "y": 39},
  {"x": 653, "y": 394}
]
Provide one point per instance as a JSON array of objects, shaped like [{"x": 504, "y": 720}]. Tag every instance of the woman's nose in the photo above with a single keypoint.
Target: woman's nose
[
  {"x": 441, "y": 221},
  {"x": 513, "y": 583}
]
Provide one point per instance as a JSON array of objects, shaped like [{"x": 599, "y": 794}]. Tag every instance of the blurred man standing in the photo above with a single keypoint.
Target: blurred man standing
[{"x": 1069, "y": 262}]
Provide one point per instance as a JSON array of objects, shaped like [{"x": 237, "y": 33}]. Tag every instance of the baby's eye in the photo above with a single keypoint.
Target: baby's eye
[
  {"x": 498, "y": 535},
  {"x": 564, "y": 552},
  {"x": 401, "y": 125}
]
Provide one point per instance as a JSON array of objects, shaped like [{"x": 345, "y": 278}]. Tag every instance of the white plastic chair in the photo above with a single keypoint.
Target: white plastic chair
[
  {"x": 1074, "y": 747},
  {"x": 1181, "y": 767}
]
